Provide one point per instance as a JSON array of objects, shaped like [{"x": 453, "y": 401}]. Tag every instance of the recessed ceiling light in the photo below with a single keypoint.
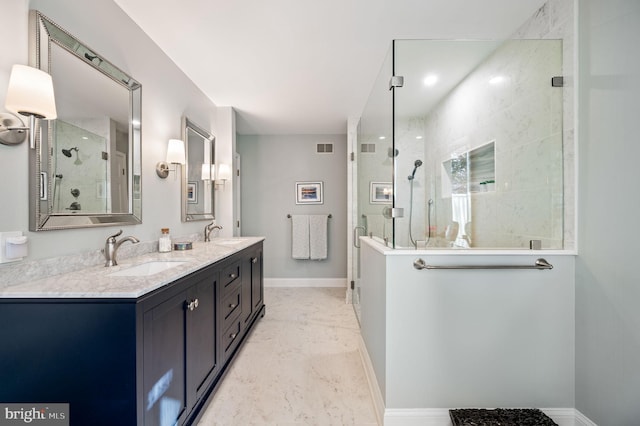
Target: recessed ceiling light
[
  {"x": 418, "y": 137},
  {"x": 382, "y": 137},
  {"x": 496, "y": 80},
  {"x": 430, "y": 80}
]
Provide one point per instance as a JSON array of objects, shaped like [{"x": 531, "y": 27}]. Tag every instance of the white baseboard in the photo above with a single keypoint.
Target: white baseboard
[
  {"x": 562, "y": 416},
  {"x": 582, "y": 420},
  {"x": 374, "y": 389},
  {"x": 416, "y": 417},
  {"x": 440, "y": 416},
  {"x": 305, "y": 282}
]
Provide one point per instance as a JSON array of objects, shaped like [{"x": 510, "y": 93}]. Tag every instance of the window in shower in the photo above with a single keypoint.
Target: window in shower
[{"x": 471, "y": 172}]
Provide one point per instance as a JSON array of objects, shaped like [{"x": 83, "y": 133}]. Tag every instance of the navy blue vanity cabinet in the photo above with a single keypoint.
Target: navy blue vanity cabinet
[
  {"x": 180, "y": 348},
  {"x": 153, "y": 360}
]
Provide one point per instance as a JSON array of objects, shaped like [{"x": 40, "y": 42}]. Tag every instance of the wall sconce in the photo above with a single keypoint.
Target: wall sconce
[
  {"x": 175, "y": 155},
  {"x": 208, "y": 172},
  {"x": 30, "y": 93},
  {"x": 224, "y": 174}
]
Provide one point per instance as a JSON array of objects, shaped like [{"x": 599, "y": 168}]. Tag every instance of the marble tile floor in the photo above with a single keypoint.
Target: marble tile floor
[{"x": 300, "y": 366}]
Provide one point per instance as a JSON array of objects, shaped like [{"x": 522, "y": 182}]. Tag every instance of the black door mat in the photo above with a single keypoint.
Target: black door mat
[{"x": 500, "y": 417}]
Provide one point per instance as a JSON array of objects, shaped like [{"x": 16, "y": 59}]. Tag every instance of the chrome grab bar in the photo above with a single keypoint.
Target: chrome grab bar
[{"x": 540, "y": 264}]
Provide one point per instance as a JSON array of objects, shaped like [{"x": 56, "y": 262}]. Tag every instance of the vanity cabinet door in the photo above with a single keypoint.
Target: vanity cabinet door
[
  {"x": 257, "y": 287},
  {"x": 180, "y": 348},
  {"x": 202, "y": 355},
  {"x": 165, "y": 396},
  {"x": 252, "y": 288}
]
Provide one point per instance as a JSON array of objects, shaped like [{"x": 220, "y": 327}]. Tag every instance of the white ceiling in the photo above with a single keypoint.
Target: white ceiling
[{"x": 305, "y": 66}]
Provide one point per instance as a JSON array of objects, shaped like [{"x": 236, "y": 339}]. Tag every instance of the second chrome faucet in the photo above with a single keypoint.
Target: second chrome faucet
[{"x": 207, "y": 230}]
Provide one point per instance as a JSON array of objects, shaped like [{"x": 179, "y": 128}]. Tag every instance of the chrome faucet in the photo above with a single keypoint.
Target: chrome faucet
[
  {"x": 111, "y": 247},
  {"x": 207, "y": 230}
]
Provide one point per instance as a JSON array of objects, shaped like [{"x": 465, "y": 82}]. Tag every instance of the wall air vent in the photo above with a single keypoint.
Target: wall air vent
[
  {"x": 324, "y": 148},
  {"x": 368, "y": 147}
]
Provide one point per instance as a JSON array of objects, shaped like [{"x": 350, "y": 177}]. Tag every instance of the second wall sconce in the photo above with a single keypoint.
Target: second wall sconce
[
  {"x": 30, "y": 93},
  {"x": 175, "y": 156},
  {"x": 224, "y": 174}
]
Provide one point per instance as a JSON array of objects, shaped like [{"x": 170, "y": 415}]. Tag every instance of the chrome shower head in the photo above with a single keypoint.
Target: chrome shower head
[{"x": 67, "y": 152}]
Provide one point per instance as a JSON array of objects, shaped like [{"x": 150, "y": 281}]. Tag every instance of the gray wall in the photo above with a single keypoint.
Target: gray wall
[
  {"x": 167, "y": 94},
  {"x": 607, "y": 278},
  {"x": 373, "y": 310},
  {"x": 485, "y": 338},
  {"x": 271, "y": 165}
]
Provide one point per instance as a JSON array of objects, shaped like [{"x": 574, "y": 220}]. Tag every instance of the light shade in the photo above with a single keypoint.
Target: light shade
[
  {"x": 208, "y": 171},
  {"x": 224, "y": 172},
  {"x": 30, "y": 92},
  {"x": 175, "y": 151}
]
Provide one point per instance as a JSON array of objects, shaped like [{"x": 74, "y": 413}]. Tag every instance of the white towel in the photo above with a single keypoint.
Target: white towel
[
  {"x": 300, "y": 236},
  {"x": 318, "y": 236}
]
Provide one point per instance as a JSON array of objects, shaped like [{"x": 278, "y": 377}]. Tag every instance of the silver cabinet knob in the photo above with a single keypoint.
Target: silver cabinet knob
[{"x": 193, "y": 304}]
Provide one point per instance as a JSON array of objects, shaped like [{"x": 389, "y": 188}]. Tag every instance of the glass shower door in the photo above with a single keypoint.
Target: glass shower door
[{"x": 372, "y": 186}]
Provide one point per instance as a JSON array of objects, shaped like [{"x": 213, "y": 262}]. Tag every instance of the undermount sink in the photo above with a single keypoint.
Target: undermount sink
[
  {"x": 148, "y": 268},
  {"x": 229, "y": 241}
]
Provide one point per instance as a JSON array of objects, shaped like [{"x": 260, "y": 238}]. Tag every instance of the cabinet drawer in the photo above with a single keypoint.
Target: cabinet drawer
[
  {"x": 231, "y": 337},
  {"x": 231, "y": 305},
  {"x": 230, "y": 274}
]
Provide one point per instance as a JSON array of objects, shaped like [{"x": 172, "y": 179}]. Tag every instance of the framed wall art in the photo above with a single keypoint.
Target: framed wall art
[{"x": 309, "y": 193}]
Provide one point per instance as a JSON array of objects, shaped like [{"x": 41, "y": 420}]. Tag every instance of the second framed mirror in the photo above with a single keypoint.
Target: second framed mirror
[{"x": 198, "y": 173}]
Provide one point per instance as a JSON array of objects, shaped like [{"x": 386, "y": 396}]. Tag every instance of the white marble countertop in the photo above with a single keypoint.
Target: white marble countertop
[{"x": 97, "y": 282}]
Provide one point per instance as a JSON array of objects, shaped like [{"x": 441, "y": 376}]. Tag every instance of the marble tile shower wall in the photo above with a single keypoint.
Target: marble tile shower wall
[
  {"x": 556, "y": 21},
  {"x": 535, "y": 184},
  {"x": 410, "y": 151}
]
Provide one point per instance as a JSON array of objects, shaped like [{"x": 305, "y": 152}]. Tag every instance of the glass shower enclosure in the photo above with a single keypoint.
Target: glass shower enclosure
[{"x": 460, "y": 146}]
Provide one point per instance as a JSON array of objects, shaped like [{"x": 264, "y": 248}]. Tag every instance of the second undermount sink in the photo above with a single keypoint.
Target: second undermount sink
[
  {"x": 228, "y": 241},
  {"x": 148, "y": 268}
]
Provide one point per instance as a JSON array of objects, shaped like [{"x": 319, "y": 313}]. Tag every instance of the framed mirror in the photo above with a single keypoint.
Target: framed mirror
[
  {"x": 86, "y": 168},
  {"x": 198, "y": 173}
]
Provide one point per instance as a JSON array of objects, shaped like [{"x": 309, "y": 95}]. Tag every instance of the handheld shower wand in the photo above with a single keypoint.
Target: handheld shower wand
[
  {"x": 416, "y": 164},
  {"x": 411, "y": 177}
]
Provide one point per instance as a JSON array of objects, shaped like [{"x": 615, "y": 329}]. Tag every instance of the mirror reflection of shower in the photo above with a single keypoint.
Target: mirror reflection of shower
[
  {"x": 56, "y": 189},
  {"x": 67, "y": 153},
  {"x": 411, "y": 178}
]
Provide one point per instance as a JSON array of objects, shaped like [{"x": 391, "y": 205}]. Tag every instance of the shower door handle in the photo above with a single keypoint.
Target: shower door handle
[{"x": 355, "y": 235}]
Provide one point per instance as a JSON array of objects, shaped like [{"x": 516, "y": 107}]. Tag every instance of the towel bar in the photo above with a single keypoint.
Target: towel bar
[
  {"x": 540, "y": 264},
  {"x": 329, "y": 216}
]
